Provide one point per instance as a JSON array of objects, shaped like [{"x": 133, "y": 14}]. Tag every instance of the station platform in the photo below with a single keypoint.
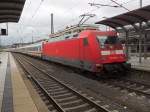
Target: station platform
[
  {"x": 144, "y": 65},
  {"x": 14, "y": 94}
]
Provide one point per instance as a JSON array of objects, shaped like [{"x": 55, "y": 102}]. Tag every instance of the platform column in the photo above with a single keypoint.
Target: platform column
[
  {"x": 145, "y": 46},
  {"x": 127, "y": 44},
  {"x": 140, "y": 43}
]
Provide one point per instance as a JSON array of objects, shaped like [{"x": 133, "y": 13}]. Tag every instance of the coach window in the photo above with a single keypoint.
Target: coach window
[
  {"x": 67, "y": 37},
  {"x": 75, "y": 35},
  {"x": 85, "y": 41}
]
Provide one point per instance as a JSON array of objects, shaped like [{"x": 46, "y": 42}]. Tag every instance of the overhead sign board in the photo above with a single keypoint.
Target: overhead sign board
[{"x": 3, "y": 32}]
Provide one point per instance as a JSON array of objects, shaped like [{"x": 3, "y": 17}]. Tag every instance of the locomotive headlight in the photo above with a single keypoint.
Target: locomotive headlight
[
  {"x": 119, "y": 52},
  {"x": 105, "y": 52}
]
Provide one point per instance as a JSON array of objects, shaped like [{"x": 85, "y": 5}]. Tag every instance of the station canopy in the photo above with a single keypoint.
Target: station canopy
[
  {"x": 129, "y": 18},
  {"x": 10, "y": 10}
]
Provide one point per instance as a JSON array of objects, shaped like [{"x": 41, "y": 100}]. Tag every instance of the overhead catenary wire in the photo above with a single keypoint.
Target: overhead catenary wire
[
  {"x": 35, "y": 13},
  {"x": 75, "y": 19},
  {"x": 120, "y": 5},
  {"x": 37, "y": 9},
  {"x": 26, "y": 6},
  {"x": 124, "y": 3},
  {"x": 97, "y": 8},
  {"x": 68, "y": 11},
  {"x": 106, "y": 5}
]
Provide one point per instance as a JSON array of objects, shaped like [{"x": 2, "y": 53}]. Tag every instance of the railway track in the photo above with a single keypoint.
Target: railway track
[
  {"x": 143, "y": 87},
  {"x": 140, "y": 88},
  {"x": 132, "y": 86},
  {"x": 61, "y": 97}
]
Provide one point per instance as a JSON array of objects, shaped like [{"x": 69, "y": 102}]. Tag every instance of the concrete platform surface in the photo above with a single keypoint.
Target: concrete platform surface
[
  {"x": 145, "y": 65},
  {"x": 14, "y": 95},
  {"x": 22, "y": 101}
]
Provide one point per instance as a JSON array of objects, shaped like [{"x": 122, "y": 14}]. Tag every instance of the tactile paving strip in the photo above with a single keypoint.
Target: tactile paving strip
[{"x": 7, "y": 104}]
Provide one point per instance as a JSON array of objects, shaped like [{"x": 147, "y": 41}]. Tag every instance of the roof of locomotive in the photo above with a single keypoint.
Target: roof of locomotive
[
  {"x": 74, "y": 29},
  {"x": 98, "y": 32},
  {"x": 82, "y": 34}
]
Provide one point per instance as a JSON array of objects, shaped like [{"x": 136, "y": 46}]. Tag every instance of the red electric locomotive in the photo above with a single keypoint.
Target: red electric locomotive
[{"x": 86, "y": 48}]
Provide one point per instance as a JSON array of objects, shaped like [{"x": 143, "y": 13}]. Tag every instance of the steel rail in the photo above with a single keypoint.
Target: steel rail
[
  {"x": 140, "y": 83},
  {"x": 94, "y": 104},
  {"x": 129, "y": 89},
  {"x": 56, "y": 105}
]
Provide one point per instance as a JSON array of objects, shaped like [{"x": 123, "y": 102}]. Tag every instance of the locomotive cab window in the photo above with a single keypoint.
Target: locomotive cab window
[
  {"x": 108, "y": 40},
  {"x": 85, "y": 41}
]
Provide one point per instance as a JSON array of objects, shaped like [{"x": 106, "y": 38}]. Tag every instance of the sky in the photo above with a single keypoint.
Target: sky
[{"x": 35, "y": 20}]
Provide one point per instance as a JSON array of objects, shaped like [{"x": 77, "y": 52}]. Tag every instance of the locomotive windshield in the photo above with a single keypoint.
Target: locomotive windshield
[{"x": 110, "y": 40}]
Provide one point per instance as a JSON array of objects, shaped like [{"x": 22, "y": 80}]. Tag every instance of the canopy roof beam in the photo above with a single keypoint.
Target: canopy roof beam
[
  {"x": 10, "y": 10},
  {"x": 129, "y": 18}
]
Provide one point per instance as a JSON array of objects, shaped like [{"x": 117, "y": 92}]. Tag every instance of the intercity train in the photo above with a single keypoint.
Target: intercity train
[{"x": 83, "y": 47}]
